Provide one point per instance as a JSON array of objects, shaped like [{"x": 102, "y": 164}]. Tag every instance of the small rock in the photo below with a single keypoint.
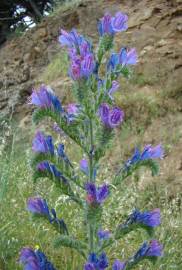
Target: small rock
[
  {"x": 26, "y": 57},
  {"x": 37, "y": 49},
  {"x": 41, "y": 33},
  {"x": 162, "y": 43},
  {"x": 179, "y": 27}
]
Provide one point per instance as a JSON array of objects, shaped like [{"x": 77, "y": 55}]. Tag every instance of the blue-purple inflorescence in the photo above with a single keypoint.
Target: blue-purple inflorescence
[
  {"x": 80, "y": 53},
  {"x": 94, "y": 89}
]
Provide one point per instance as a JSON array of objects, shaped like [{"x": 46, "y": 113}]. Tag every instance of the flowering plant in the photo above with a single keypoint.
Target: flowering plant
[{"x": 91, "y": 123}]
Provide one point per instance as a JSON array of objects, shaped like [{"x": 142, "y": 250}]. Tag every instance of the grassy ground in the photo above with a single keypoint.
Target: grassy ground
[{"x": 18, "y": 229}]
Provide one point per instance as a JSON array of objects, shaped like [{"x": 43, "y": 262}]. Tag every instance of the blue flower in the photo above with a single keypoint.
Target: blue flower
[
  {"x": 61, "y": 154},
  {"x": 45, "y": 98},
  {"x": 34, "y": 260},
  {"x": 109, "y": 25},
  {"x": 104, "y": 25},
  {"x": 84, "y": 166},
  {"x": 37, "y": 205},
  {"x": 96, "y": 195},
  {"x": 119, "y": 22},
  {"x": 148, "y": 218},
  {"x": 103, "y": 235},
  {"x": 128, "y": 56},
  {"x": 110, "y": 117},
  {"x": 113, "y": 89},
  {"x": 96, "y": 262},
  {"x": 118, "y": 265},
  {"x": 70, "y": 39},
  {"x": 151, "y": 249},
  {"x": 42, "y": 143},
  {"x": 51, "y": 168},
  {"x": 148, "y": 153},
  {"x": 113, "y": 62}
]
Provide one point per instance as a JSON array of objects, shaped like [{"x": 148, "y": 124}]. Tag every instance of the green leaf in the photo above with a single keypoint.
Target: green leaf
[
  {"x": 72, "y": 130},
  {"x": 67, "y": 241}
]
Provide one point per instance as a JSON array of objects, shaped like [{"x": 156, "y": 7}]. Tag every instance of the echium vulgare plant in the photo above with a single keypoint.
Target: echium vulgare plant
[{"x": 90, "y": 122}]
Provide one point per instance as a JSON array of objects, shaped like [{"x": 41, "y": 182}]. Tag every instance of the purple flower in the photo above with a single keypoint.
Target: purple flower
[
  {"x": 151, "y": 249},
  {"x": 113, "y": 89},
  {"x": 128, "y": 57},
  {"x": 115, "y": 117},
  {"x": 87, "y": 65},
  {"x": 26, "y": 254},
  {"x": 155, "y": 249},
  {"x": 56, "y": 128},
  {"x": 37, "y": 205},
  {"x": 148, "y": 153},
  {"x": 46, "y": 166},
  {"x": 96, "y": 195},
  {"x": 148, "y": 218},
  {"x": 111, "y": 118},
  {"x": 45, "y": 98},
  {"x": 119, "y": 22},
  {"x": 103, "y": 235},
  {"x": 75, "y": 71},
  {"x": 34, "y": 260},
  {"x": 118, "y": 265},
  {"x": 113, "y": 61},
  {"x": 84, "y": 166},
  {"x": 109, "y": 25},
  {"x": 72, "y": 108},
  {"x": 96, "y": 262},
  {"x": 82, "y": 66},
  {"x": 70, "y": 39},
  {"x": 42, "y": 143},
  {"x": 104, "y": 25}
]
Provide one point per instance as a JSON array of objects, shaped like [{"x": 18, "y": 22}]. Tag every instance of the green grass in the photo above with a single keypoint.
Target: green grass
[
  {"x": 18, "y": 229},
  {"x": 64, "y": 5},
  {"x": 56, "y": 69}
]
